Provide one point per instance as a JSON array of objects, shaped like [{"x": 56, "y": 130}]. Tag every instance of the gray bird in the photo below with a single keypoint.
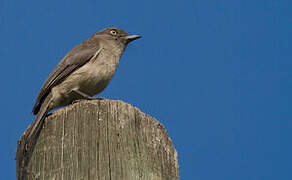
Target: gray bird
[{"x": 84, "y": 72}]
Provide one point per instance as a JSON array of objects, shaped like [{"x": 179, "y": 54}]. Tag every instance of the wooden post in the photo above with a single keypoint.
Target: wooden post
[{"x": 101, "y": 140}]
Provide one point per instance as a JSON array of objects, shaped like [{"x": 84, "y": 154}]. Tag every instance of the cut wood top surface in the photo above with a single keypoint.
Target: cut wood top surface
[{"x": 102, "y": 139}]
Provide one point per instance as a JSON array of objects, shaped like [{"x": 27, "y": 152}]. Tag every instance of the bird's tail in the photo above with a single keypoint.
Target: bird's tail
[
  {"x": 28, "y": 138},
  {"x": 39, "y": 120}
]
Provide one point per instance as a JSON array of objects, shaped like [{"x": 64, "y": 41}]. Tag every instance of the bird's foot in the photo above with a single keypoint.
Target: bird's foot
[
  {"x": 78, "y": 100},
  {"x": 99, "y": 98}
]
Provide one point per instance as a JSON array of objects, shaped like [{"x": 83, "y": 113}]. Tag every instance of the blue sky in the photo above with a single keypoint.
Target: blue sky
[{"x": 216, "y": 73}]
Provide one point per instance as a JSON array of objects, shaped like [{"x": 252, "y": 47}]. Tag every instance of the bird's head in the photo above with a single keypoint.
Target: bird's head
[{"x": 117, "y": 34}]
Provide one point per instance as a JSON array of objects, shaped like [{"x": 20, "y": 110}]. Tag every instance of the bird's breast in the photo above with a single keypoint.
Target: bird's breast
[
  {"x": 97, "y": 73},
  {"x": 91, "y": 78}
]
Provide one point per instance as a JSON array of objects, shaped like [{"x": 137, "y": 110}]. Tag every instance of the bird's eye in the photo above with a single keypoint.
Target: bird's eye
[{"x": 113, "y": 32}]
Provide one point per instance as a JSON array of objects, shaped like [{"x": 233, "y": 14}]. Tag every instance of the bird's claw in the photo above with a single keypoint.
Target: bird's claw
[{"x": 78, "y": 100}]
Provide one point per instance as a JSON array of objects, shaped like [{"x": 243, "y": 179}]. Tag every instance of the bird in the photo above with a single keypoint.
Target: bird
[{"x": 82, "y": 73}]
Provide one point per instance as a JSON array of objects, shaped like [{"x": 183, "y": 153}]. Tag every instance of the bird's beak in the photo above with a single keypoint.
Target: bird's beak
[{"x": 130, "y": 38}]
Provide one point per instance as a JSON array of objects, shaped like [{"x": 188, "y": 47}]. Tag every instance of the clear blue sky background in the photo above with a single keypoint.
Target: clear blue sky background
[{"x": 216, "y": 73}]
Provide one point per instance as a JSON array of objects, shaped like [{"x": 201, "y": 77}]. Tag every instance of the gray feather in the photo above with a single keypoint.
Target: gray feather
[{"x": 76, "y": 58}]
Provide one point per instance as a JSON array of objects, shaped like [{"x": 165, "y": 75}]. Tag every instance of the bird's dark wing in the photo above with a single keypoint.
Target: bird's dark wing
[{"x": 76, "y": 58}]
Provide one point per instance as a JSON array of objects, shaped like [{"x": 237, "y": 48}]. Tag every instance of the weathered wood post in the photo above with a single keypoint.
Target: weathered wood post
[{"x": 101, "y": 140}]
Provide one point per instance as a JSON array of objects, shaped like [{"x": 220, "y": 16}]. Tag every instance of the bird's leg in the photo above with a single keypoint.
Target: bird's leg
[
  {"x": 99, "y": 98},
  {"x": 82, "y": 95},
  {"x": 79, "y": 95}
]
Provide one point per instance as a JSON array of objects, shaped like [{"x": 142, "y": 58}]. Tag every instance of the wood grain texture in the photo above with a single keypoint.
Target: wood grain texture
[{"x": 102, "y": 140}]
